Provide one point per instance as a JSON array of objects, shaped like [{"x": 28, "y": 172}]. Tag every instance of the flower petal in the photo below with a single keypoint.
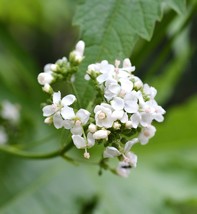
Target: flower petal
[
  {"x": 129, "y": 144},
  {"x": 79, "y": 141},
  {"x": 57, "y": 120},
  {"x": 83, "y": 115},
  {"x": 56, "y": 97},
  {"x": 68, "y": 100},
  {"x": 77, "y": 130},
  {"x": 48, "y": 110},
  {"x": 67, "y": 113},
  {"x": 117, "y": 103},
  {"x": 91, "y": 140},
  {"x": 111, "y": 152}
]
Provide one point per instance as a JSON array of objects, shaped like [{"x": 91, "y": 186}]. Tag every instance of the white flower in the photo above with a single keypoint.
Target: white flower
[
  {"x": 10, "y": 111},
  {"x": 141, "y": 118},
  {"x": 79, "y": 51},
  {"x": 101, "y": 134},
  {"x": 45, "y": 78},
  {"x": 129, "y": 103},
  {"x": 124, "y": 167},
  {"x": 77, "y": 122},
  {"x": 116, "y": 89},
  {"x": 103, "y": 115},
  {"x": 3, "y": 136},
  {"x": 111, "y": 151},
  {"x": 60, "y": 109},
  {"x": 106, "y": 71},
  {"x": 127, "y": 66},
  {"x": 81, "y": 143},
  {"x": 146, "y": 133},
  {"x": 149, "y": 91}
]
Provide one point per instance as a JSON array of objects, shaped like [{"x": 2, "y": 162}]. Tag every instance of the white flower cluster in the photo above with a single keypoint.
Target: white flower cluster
[
  {"x": 128, "y": 104},
  {"x": 121, "y": 118}
]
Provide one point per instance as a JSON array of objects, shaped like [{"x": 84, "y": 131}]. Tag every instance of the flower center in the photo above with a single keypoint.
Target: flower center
[
  {"x": 146, "y": 133},
  {"x": 78, "y": 123},
  {"x": 101, "y": 115},
  {"x": 122, "y": 93}
]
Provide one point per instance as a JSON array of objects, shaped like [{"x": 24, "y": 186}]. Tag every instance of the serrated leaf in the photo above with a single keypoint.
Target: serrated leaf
[{"x": 111, "y": 28}]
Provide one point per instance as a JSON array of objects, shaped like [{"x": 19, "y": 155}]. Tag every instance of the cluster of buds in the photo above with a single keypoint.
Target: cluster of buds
[
  {"x": 62, "y": 69},
  {"x": 121, "y": 116},
  {"x": 9, "y": 118}
]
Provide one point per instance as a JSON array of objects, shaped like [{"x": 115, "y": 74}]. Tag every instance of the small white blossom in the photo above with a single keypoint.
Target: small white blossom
[
  {"x": 10, "y": 111},
  {"x": 105, "y": 70},
  {"x": 60, "y": 108},
  {"x": 81, "y": 143},
  {"x": 77, "y": 122},
  {"x": 103, "y": 115},
  {"x": 79, "y": 51},
  {"x": 146, "y": 133},
  {"x": 124, "y": 167},
  {"x": 149, "y": 91},
  {"x": 45, "y": 78}
]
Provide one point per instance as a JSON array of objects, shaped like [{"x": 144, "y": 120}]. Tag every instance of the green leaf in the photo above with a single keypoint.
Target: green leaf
[{"x": 111, "y": 28}]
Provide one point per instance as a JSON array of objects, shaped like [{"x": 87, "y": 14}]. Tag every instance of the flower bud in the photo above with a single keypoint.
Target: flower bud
[
  {"x": 116, "y": 125},
  {"x": 45, "y": 78},
  {"x": 128, "y": 125},
  {"x": 48, "y": 120},
  {"x": 92, "y": 128},
  {"x": 101, "y": 134},
  {"x": 47, "y": 88}
]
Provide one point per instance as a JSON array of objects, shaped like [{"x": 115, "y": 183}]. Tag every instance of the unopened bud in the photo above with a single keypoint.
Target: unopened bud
[{"x": 92, "y": 128}]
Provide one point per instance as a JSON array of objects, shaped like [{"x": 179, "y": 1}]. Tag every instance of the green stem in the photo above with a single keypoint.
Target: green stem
[
  {"x": 25, "y": 154},
  {"x": 76, "y": 93}
]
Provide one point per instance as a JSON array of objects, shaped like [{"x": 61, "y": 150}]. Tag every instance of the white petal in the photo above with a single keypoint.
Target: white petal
[
  {"x": 117, "y": 103},
  {"x": 125, "y": 118},
  {"x": 68, "y": 100},
  {"x": 48, "y": 110},
  {"x": 68, "y": 124},
  {"x": 126, "y": 84},
  {"x": 91, "y": 140},
  {"x": 111, "y": 152},
  {"x": 135, "y": 119},
  {"x": 76, "y": 130},
  {"x": 132, "y": 159},
  {"x": 114, "y": 88},
  {"x": 57, "y": 97},
  {"x": 129, "y": 144},
  {"x": 146, "y": 119},
  {"x": 123, "y": 169},
  {"x": 83, "y": 115},
  {"x": 79, "y": 141},
  {"x": 58, "y": 121},
  {"x": 67, "y": 113},
  {"x": 117, "y": 114}
]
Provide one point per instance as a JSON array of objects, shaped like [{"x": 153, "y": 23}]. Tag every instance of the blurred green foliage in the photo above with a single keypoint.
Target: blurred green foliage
[{"x": 33, "y": 33}]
